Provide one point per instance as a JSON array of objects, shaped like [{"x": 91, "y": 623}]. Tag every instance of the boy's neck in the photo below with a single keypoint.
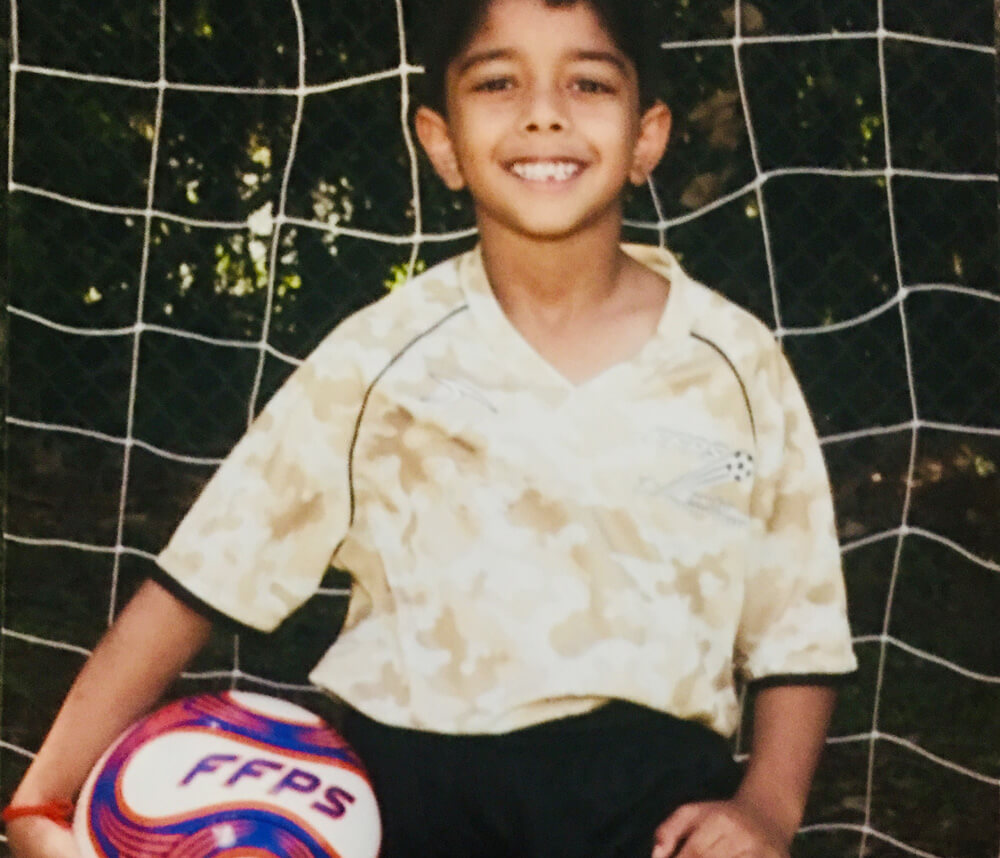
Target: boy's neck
[
  {"x": 581, "y": 302},
  {"x": 560, "y": 279}
]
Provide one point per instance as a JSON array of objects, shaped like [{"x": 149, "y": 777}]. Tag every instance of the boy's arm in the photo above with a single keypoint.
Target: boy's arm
[
  {"x": 144, "y": 651},
  {"x": 790, "y": 724}
]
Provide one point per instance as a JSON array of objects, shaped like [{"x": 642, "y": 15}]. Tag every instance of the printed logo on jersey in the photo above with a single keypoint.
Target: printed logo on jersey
[
  {"x": 448, "y": 390},
  {"x": 713, "y": 464}
]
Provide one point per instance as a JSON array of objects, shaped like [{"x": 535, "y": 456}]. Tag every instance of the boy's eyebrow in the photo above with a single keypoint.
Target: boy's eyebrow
[
  {"x": 604, "y": 57},
  {"x": 483, "y": 57}
]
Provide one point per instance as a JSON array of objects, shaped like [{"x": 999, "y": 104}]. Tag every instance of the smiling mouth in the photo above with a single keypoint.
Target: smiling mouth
[{"x": 546, "y": 171}]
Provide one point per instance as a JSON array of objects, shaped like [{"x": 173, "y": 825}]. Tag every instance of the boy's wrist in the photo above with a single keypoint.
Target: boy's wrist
[
  {"x": 39, "y": 791},
  {"x": 37, "y": 788},
  {"x": 58, "y": 810},
  {"x": 780, "y": 813}
]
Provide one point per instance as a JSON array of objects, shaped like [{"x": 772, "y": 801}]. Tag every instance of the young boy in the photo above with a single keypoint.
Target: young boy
[{"x": 576, "y": 491}]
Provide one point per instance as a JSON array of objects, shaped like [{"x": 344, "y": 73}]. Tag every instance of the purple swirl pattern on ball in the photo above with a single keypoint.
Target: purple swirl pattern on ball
[{"x": 225, "y": 828}]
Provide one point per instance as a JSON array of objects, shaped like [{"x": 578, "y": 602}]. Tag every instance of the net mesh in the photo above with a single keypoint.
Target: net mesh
[{"x": 200, "y": 189}]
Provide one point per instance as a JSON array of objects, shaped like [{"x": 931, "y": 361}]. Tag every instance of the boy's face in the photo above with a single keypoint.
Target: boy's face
[{"x": 543, "y": 123}]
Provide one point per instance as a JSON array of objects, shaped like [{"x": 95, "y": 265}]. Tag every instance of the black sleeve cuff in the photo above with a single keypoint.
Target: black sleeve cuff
[
  {"x": 182, "y": 594},
  {"x": 830, "y": 679}
]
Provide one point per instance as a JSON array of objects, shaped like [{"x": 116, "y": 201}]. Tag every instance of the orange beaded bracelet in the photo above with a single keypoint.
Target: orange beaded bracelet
[{"x": 60, "y": 811}]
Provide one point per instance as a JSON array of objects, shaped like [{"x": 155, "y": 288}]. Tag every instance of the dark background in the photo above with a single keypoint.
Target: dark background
[{"x": 846, "y": 195}]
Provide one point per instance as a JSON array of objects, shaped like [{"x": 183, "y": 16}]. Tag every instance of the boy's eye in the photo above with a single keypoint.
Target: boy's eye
[
  {"x": 590, "y": 86},
  {"x": 494, "y": 84}
]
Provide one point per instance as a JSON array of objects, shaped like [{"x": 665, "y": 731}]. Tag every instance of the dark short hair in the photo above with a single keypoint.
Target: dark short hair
[{"x": 449, "y": 25}]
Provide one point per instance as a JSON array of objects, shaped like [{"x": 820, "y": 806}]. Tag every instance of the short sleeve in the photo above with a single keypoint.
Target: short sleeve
[
  {"x": 257, "y": 541},
  {"x": 794, "y": 617}
]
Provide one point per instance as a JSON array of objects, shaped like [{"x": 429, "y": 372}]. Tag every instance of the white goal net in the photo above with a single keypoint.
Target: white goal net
[{"x": 199, "y": 189}]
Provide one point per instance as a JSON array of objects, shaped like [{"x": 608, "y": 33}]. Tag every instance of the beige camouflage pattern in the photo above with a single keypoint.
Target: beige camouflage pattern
[{"x": 524, "y": 548}]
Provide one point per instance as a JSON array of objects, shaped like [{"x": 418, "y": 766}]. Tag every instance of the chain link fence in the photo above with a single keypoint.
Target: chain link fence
[{"x": 200, "y": 189}]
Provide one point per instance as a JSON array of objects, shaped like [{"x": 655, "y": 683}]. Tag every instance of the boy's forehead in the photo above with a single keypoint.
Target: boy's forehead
[{"x": 512, "y": 28}]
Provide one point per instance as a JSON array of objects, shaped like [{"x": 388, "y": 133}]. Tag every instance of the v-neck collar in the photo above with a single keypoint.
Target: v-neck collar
[{"x": 672, "y": 328}]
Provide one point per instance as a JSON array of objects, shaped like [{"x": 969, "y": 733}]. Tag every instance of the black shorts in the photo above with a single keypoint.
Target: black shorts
[{"x": 594, "y": 785}]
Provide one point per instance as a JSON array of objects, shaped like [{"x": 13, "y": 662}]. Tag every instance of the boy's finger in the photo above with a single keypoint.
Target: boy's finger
[
  {"x": 677, "y": 826},
  {"x": 709, "y": 838}
]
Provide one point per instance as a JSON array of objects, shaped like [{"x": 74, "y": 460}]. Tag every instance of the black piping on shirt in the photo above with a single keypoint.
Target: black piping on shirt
[
  {"x": 364, "y": 402},
  {"x": 732, "y": 366}
]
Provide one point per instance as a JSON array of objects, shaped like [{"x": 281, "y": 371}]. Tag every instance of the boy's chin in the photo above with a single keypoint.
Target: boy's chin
[{"x": 557, "y": 228}]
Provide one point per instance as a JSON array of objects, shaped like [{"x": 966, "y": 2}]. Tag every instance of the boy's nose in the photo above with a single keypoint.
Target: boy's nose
[
  {"x": 554, "y": 125},
  {"x": 544, "y": 112}
]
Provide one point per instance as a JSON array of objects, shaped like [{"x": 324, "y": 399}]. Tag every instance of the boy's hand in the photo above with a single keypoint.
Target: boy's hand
[
  {"x": 719, "y": 829},
  {"x": 37, "y": 837},
  {"x": 790, "y": 724}
]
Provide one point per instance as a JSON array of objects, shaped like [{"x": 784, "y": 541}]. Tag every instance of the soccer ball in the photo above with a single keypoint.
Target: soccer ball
[{"x": 231, "y": 775}]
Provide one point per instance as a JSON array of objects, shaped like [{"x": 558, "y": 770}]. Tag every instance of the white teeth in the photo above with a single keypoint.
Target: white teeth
[{"x": 545, "y": 171}]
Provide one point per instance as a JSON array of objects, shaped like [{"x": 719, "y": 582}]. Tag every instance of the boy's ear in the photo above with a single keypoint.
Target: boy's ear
[
  {"x": 432, "y": 131},
  {"x": 654, "y": 132}
]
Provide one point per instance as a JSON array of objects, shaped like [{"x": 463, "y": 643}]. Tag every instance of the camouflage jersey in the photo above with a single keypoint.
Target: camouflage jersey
[{"x": 522, "y": 547}]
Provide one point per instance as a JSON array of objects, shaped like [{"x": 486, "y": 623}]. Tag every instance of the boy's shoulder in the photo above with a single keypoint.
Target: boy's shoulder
[
  {"x": 421, "y": 299},
  {"x": 377, "y": 331},
  {"x": 705, "y": 314}
]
